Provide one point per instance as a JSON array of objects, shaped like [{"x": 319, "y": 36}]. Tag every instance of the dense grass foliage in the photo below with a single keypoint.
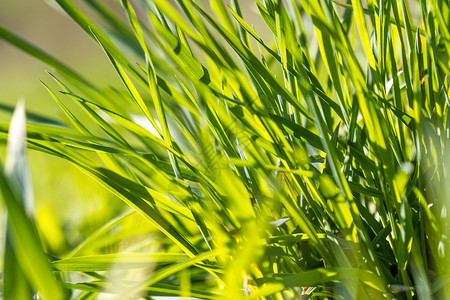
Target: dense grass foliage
[{"x": 308, "y": 163}]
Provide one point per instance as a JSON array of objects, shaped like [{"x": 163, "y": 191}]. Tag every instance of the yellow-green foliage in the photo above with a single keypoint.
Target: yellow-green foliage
[{"x": 310, "y": 162}]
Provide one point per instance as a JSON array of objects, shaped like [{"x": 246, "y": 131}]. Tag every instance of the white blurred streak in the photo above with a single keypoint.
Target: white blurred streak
[
  {"x": 145, "y": 123},
  {"x": 16, "y": 165}
]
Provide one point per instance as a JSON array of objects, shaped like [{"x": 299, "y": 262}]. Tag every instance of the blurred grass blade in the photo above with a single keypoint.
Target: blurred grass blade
[
  {"x": 22, "y": 235},
  {"x": 115, "y": 261},
  {"x": 41, "y": 55}
]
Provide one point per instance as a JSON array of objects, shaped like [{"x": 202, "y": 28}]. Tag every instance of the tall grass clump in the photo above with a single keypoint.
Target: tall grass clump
[{"x": 310, "y": 162}]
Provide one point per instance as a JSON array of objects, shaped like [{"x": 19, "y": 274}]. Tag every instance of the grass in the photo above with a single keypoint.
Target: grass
[{"x": 308, "y": 164}]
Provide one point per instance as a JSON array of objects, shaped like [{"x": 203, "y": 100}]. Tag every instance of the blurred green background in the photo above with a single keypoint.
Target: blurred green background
[{"x": 69, "y": 204}]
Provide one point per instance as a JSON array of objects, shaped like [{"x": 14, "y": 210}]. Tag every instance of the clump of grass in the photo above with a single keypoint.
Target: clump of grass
[{"x": 309, "y": 164}]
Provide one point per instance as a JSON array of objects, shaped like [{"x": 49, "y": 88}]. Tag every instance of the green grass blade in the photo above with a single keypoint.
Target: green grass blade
[{"x": 17, "y": 199}]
